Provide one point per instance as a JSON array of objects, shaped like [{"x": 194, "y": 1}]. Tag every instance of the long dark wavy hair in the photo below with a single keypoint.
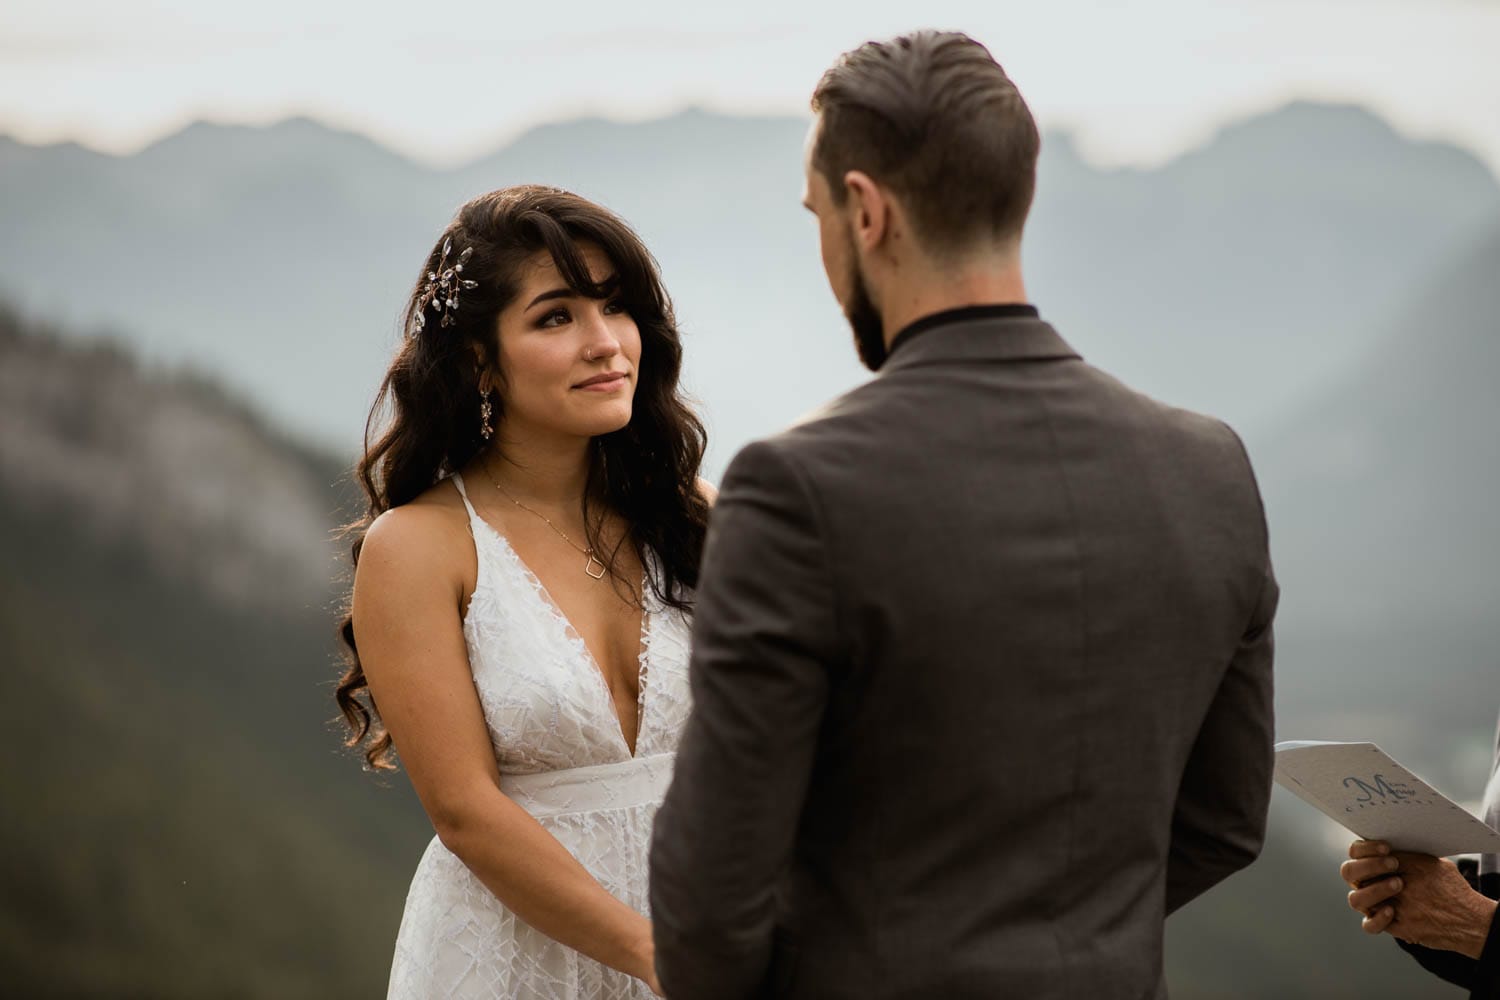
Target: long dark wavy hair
[{"x": 425, "y": 423}]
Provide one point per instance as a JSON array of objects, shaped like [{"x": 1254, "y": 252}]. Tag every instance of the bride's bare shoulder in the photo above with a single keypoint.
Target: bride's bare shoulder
[{"x": 428, "y": 533}]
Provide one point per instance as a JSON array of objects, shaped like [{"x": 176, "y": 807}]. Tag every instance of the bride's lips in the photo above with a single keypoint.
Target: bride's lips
[{"x": 607, "y": 382}]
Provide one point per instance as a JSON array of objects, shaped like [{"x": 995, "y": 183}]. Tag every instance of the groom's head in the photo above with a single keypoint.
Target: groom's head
[{"x": 921, "y": 159}]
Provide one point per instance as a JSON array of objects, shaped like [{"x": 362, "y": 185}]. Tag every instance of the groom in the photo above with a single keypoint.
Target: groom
[{"x": 982, "y": 655}]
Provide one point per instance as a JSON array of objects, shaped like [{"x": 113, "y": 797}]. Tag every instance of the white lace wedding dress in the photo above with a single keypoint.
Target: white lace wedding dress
[{"x": 563, "y": 758}]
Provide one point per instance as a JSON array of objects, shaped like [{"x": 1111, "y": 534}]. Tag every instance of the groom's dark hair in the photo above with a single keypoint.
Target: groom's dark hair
[{"x": 932, "y": 116}]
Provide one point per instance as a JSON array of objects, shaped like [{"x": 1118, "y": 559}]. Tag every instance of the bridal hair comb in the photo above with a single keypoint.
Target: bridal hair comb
[{"x": 440, "y": 294}]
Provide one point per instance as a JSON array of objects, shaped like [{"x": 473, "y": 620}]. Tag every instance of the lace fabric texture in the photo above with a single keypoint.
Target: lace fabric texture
[{"x": 549, "y": 712}]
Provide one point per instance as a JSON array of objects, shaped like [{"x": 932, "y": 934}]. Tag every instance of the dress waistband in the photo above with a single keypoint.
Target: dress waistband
[{"x": 621, "y": 785}]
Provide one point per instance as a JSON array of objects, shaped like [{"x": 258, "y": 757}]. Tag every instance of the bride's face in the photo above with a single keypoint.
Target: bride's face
[{"x": 568, "y": 362}]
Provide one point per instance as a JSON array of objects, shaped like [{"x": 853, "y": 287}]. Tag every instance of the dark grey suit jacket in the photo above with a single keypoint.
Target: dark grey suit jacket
[{"x": 982, "y": 681}]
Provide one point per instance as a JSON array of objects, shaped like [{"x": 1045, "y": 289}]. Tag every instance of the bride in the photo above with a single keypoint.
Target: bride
[{"x": 522, "y": 585}]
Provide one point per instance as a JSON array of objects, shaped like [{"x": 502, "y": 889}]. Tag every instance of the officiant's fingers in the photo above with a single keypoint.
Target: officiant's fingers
[
  {"x": 1378, "y": 921},
  {"x": 1369, "y": 849},
  {"x": 1365, "y": 869},
  {"x": 1366, "y": 899}
]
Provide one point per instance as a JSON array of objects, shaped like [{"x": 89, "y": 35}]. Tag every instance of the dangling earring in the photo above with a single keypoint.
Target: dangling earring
[{"x": 486, "y": 411}]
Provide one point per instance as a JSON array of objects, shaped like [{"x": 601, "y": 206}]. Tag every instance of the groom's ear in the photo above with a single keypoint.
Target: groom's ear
[{"x": 869, "y": 208}]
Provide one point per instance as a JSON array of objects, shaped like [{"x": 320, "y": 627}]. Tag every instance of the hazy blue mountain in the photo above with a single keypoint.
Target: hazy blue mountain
[
  {"x": 179, "y": 822},
  {"x": 1234, "y": 279},
  {"x": 168, "y": 465},
  {"x": 1239, "y": 277},
  {"x": 1381, "y": 500},
  {"x": 1392, "y": 472}
]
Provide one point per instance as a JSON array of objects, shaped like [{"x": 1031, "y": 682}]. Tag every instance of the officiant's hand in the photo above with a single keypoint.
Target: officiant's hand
[
  {"x": 1371, "y": 891},
  {"x": 1426, "y": 902}
]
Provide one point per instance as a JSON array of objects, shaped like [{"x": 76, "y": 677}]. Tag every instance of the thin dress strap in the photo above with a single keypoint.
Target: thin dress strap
[{"x": 458, "y": 481}]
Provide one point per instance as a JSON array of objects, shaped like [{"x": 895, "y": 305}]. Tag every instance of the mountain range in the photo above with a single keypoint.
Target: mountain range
[
  {"x": 180, "y": 822},
  {"x": 1234, "y": 279},
  {"x": 1380, "y": 493},
  {"x": 200, "y": 326}
]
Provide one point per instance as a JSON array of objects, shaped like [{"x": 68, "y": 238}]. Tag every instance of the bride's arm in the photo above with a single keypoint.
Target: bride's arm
[{"x": 409, "y": 631}]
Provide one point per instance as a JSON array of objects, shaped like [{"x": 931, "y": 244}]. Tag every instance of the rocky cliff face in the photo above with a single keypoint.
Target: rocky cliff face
[{"x": 168, "y": 464}]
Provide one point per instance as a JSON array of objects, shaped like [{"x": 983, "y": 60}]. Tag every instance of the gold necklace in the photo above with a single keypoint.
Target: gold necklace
[{"x": 592, "y": 560}]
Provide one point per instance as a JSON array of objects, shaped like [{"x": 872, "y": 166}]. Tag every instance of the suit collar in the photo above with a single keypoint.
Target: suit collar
[{"x": 977, "y": 333}]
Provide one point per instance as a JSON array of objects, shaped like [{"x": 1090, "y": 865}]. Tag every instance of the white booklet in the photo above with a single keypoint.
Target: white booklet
[{"x": 1363, "y": 788}]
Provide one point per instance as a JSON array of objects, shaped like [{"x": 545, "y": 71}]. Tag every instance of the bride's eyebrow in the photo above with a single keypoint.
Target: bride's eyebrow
[
  {"x": 608, "y": 286},
  {"x": 555, "y": 293}
]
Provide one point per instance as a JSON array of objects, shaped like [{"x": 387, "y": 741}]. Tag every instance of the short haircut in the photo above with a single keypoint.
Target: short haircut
[{"x": 932, "y": 116}]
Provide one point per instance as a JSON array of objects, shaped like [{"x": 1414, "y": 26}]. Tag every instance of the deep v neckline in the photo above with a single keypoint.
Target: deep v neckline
[{"x": 573, "y": 636}]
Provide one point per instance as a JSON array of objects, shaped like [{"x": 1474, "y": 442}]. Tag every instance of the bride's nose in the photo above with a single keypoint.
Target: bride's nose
[{"x": 600, "y": 341}]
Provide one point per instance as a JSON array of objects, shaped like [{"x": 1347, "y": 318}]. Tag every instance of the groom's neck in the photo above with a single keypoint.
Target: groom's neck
[{"x": 923, "y": 287}]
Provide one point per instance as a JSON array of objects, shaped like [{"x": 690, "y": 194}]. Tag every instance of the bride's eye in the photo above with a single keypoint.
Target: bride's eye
[
  {"x": 556, "y": 317},
  {"x": 615, "y": 306}
]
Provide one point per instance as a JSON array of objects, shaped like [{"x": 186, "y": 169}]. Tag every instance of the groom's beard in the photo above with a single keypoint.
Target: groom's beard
[{"x": 864, "y": 319}]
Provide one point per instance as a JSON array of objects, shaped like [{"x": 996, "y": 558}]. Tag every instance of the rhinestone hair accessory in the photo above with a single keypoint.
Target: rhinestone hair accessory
[{"x": 440, "y": 294}]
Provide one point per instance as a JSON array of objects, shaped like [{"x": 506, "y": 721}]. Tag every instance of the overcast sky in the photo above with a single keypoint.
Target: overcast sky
[{"x": 1138, "y": 82}]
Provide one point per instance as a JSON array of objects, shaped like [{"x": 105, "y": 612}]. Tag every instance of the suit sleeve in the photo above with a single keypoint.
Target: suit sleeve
[
  {"x": 1219, "y": 821},
  {"x": 1480, "y": 977},
  {"x": 1486, "y": 982},
  {"x": 1449, "y": 966},
  {"x": 764, "y": 639}
]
